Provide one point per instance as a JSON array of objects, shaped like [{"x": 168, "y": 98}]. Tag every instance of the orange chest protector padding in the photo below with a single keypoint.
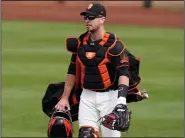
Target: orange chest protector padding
[{"x": 94, "y": 62}]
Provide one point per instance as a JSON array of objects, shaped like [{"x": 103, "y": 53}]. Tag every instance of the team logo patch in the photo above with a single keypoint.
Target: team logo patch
[
  {"x": 89, "y": 7},
  {"x": 90, "y": 55}
]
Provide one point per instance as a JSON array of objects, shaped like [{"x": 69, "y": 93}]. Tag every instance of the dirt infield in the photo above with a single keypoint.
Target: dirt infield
[{"x": 119, "y": 14}]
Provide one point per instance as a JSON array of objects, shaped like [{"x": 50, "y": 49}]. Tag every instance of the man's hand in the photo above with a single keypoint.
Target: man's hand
[
  {"x": 119, "y": 119},
  {"x": 63, "y": 104}
]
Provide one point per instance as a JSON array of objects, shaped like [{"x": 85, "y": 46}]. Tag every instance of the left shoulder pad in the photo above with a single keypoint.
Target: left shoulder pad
[
  {"x": 117, "y": 49},
  {"x": 72, "y": 44}
]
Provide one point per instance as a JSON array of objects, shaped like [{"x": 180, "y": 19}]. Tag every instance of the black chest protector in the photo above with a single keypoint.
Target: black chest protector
[{"x": 97, "y": 72}]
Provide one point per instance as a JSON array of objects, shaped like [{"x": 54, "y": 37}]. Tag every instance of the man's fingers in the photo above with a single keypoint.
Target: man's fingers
[{"x": 59, "y": 107}]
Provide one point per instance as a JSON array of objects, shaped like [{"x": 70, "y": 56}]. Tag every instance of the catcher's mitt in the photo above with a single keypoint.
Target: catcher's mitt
[{"x": 119, "y": 119}]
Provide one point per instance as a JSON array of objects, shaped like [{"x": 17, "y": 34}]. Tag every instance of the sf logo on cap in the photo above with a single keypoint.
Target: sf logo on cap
[{"x": 90, "y": 5}]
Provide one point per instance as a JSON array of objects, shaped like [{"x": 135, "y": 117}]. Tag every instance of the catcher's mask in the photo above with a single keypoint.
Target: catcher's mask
[{"x": 60, "y": 124}]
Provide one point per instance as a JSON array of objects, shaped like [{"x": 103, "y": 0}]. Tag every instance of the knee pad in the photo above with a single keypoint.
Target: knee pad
[{"x": 88, "y": 132}]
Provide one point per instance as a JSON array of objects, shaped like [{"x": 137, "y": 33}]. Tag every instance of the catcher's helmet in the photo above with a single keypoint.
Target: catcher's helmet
[{"x": 60, "y": 124}]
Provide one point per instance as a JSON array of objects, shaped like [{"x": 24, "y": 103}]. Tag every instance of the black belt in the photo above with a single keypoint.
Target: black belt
[{"x": 105, "y": 90}]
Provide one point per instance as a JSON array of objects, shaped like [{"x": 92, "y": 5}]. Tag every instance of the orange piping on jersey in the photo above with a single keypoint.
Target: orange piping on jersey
[
  {"x": 119, "y": 53},
  {"x": 134, "y": 92},
  {"x": 134, "y": 85},
  {"x": 124, "y": 60},
  {"x": 121, "y": 66}
]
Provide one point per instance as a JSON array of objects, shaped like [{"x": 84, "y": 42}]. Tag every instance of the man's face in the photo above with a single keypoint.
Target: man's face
[{"x": 93, "y": 22}]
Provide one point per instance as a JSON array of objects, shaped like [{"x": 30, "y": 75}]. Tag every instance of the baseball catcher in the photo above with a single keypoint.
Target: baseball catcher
[{"x": 102, "y": 78}]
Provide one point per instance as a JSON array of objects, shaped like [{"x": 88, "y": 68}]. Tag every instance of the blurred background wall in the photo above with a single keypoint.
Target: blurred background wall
[{"x": 160, "y": 13}]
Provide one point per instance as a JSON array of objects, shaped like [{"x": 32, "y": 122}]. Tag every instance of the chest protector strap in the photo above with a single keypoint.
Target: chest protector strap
[
  {"x": 102, "y": 43},
  {"x": 86, "y": 38}
]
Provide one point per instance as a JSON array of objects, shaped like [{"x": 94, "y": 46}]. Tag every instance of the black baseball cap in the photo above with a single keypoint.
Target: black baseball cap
[{"x": 95, "y": 9}]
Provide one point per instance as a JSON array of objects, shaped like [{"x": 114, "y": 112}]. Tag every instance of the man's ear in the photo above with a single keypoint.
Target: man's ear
[{"x": 102, "y": 20}]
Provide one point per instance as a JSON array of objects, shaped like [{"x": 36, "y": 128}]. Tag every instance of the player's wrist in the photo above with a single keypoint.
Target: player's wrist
[
  {"x": 122, "y": 90},
  {"x": 122, "y": 93},
  {"x": 64, "y": 97}
]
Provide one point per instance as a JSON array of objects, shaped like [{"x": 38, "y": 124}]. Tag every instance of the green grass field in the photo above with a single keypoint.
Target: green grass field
[{"x": 34, "y": 55}]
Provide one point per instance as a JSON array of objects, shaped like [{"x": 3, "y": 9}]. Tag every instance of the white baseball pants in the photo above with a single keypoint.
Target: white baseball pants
[{"x": 94, "y": 105}]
